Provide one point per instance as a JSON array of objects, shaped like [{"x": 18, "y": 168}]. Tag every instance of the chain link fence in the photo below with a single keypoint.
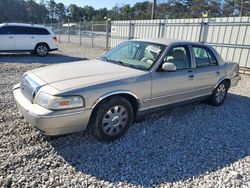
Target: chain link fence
[{"x": 92, "y": 34}]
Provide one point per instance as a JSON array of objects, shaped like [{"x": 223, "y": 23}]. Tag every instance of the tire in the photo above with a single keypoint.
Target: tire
[
  {"x": 41, "y": 50},
  {"x": 111, "y": 119},
  {"x": 219, "y": 94}
]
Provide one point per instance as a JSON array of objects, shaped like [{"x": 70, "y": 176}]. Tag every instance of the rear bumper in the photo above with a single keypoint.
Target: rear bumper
[
  {"x": 235, "y": 80},
  {"x": 51, "y": 122}
]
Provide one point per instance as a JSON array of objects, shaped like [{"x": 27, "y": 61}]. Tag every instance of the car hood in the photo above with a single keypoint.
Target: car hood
[{"x": 83, "y": 73}]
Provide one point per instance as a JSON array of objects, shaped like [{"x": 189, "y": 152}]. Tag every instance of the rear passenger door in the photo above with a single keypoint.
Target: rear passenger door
[
  {"x": 207, "y": 70},
  {"x": 25, "y": 38},
  {"x": 7, "y": 39}
]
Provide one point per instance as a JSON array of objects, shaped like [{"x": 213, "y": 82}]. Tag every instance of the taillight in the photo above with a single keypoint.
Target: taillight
[{"x": 55, "y": 38}]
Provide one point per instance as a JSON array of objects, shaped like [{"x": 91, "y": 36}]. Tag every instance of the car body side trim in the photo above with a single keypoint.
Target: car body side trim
[
  {"x": 175, "y": 104},
  {"x": 173, "y": 94},
  {"x": 115, "y": 93}
]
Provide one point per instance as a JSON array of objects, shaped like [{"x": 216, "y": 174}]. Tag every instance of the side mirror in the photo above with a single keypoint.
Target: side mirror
[{"x": 168, "y": 67}]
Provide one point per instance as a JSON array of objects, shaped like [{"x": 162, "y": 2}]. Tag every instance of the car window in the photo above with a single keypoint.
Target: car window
[
  {"x": 6, "y": 30},
  {"x": 204, "y": 57},
  {"x": 179, "y": 55},
  {"x": 19, "y": 30},
  {"x": 14, "y": 30},
  {"x": 38, "y": 31},
  {"x": 22, "y": 30},
  {"x": 135, "y": 54},
  {"x": 32, "y": 31}
]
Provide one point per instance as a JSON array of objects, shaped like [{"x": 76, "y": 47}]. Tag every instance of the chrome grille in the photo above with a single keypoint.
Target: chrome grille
[{"x": 28, "y": 87}]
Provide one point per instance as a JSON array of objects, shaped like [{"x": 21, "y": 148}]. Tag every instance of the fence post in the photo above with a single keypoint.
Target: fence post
[
  {"x": 80, "y": 34},
  {"x": 163, "y": 28},
  {"x": 159, "y": 29},
  {"x": 107, "y": 34},
  {"x": 131, "y": 30},
  {"x": 68, "y": 33},
  {"x": 203, "y": 31},
  {"x": 92, "y": 34},
  {"x": 59, "y": 40}
]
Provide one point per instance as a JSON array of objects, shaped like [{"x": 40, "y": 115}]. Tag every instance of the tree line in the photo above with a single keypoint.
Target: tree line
[{"x": 48, "y": 11}]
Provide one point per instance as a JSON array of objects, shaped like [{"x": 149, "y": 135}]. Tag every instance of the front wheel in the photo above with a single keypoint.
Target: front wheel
[
  {"x": 111, "y": 119},
  {"x": 219, "y": 94},
  {"x": 41, "y": 50}
]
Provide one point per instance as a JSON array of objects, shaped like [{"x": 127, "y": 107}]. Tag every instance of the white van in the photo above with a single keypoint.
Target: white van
[{"x": 15, "y": 37}]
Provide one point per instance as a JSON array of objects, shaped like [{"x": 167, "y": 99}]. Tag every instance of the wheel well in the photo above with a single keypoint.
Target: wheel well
[
  {"x": 42, "y": 43},
  {"x": 228, "y": 82},
  {"x": 132, "y": 100}
]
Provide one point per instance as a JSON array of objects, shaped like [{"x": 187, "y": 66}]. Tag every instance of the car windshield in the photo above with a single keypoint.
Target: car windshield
[{"x": 135, "y": 54}]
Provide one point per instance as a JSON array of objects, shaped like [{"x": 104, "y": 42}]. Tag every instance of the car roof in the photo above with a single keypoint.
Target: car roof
[
  {"x": 166, "y": 41},
  {"x": 22, "y": 24}
]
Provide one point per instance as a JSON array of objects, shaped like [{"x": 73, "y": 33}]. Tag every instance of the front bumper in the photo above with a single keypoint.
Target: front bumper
[{"x": 51, "y": 122}]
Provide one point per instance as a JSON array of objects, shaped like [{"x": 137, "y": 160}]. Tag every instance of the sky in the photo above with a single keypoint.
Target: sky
[{"x": 98, "y": 3}]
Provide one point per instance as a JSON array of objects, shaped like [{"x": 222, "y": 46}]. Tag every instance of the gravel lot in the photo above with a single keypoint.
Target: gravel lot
[{"x": 195, "y": 145}]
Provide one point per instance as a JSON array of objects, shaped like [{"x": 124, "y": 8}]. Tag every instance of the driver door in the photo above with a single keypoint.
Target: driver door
[{"x": 176, "y": 86}]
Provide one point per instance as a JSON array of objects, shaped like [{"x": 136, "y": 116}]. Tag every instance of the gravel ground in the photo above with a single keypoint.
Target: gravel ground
[{"x": 195, "y": 145}]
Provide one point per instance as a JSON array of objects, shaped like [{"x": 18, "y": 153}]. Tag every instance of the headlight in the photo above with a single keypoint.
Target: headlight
[{"x": 59, "y": 103}]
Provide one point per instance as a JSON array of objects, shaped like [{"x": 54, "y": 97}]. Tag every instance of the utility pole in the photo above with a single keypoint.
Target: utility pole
[
  {"x": 153, "y": 10},
  {"x": 241, "y": 7}
]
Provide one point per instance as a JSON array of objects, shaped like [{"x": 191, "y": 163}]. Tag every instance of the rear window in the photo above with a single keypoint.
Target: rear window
[
  {"x": 37, "y": 31},
  {"x": 204, "y": 57},
  {"x": 21, "y": 30}
]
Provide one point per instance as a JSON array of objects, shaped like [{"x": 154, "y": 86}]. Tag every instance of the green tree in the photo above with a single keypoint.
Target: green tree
[
  {"x": 13, "y": 11},
  {"x": 89, "y": 12},
  {"x": 52, "y": 9},
  {"x": 60, "y": 11},
  {"x": 229, "y": 8},
  {"x": 214, "y": 9},
  {"x": 197, "y": 7},
  {"x": 101, "y": 13},
  {"x": 126, "y": 12},
  {"x": 37, "y": 13},
  {"x": 74, "y": 12},
  {"x": 142, "y": 10}
]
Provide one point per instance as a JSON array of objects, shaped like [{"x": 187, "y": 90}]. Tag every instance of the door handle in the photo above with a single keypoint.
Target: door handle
[
  {"x": 217, "y": 72},
  {"x": 32, "y": 37},
  {"x": 10, "y": 37},
  {"x": 191, "y": 77}
]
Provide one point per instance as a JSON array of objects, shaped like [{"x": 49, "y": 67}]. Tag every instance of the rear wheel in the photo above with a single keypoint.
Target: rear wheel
[
  {"x": 111, "y": 119},
  {"x": 41, "y": 50},
  {"x": 219, "y": 94}
]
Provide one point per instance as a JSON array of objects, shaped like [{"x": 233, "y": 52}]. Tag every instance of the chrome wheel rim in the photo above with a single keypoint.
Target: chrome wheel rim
[
  {"x": 220, "y": 93},
  {"x": 42, "y": 50},
  {"x": 115, "y": 120}
]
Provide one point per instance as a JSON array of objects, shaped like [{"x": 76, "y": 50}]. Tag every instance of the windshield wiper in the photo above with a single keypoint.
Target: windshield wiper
[
  {"x": 115, "y": 61},
  {"x": 121, "y": 63}
]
